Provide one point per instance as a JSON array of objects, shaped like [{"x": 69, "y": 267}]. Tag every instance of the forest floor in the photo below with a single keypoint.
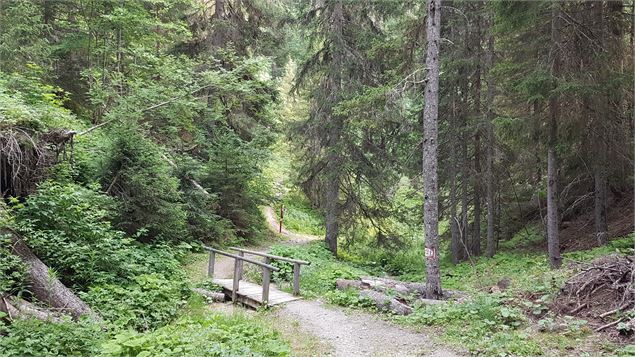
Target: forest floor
[{"x": 330, "y": 330}]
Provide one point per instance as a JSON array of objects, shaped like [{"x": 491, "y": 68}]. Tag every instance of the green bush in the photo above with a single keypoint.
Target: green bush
[
  {"x": 138, "y": 174},
  {"x": 12, "y": 269},
  {"x": 483, "y": 325},
  {"x": 349, "y": 298},
  {"x": 211, "y": 335},
  {"x": 130, "y": 284},
  {"x": 43, "y": 339},
  {"x": 68, "y": 226},
  {"x": 232, "y": 173},
  {"x": 148, "y": 302},
  {"x": 319, "y": 277}
]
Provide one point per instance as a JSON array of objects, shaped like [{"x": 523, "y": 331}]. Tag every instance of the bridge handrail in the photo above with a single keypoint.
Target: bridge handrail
[
  {"x": 271, "y": 256},
  {"x": 238, "y": 257}
]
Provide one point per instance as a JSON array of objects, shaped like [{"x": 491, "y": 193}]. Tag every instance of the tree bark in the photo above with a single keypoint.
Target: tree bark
[
  {"x": 17, "y": 308},
  {"x": 601, "y": 136},
  {"x": 430, "y": 117},
  {"x": 336, "y": 126},
  {"x": 464, "y": 160},
  {"x": 489, "y": 59},
  {"x": 46, "y": 287},
  {"x": 455, "y": 243},
  {"x": 386, "y": 303},
  {"x": 601, "y": 225},
  {"x": 553, "y": 241},
  {"x": 475, "y": 243},
  {"x": 212, "y": 295}
]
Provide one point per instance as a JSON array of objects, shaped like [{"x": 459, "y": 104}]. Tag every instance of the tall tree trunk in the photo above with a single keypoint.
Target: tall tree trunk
[
  {"x": 464, "y": 150},
  {"x": 553, "y": 241},
  {"x": 332, "y": 190},
  {"x": 475, "y": 243},
  {"x": 455, "y": 244},
  {"x": 601, "y": 137},
  {"x": 219, "y": 32},
  {"x": 489, "y": 59},
  {"x": 455, "y": 240},
  {"x": 430, "y": 117},
  {"x": 332, "y": 204},
  {"x": 601, "y": 226},
  {"x": 465, "y": 223}
]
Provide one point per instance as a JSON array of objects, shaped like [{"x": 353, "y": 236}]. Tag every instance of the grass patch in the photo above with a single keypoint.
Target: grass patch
[
  {"x": 319, "y": 277},
  {"x": 300, "y": 216}
]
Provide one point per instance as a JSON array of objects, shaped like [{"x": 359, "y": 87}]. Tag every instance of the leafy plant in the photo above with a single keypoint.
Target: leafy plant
[
  {"x": 211, "y": 335},
  {"x": 45, "y": 339},
  {"x": 349, "y": 298},
  {"x": 149, "y": 301}
]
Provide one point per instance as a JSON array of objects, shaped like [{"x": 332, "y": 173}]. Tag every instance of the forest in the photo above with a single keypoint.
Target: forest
[{"x": 422, "y": 177}]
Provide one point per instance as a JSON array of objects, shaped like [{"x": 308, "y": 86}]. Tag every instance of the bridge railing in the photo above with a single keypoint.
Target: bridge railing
[
  {"x": 238, "y": 266},
  {"x": 267, "y": 259}
]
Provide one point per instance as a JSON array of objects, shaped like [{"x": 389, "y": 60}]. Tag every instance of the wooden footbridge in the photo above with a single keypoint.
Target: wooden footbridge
[{"x": 248, "y": 293}]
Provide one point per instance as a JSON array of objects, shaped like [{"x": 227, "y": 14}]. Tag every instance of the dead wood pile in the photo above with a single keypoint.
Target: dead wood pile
[{"x": 602, "y": 292}]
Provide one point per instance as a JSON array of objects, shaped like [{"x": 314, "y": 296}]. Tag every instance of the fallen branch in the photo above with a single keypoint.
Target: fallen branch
[
  {"x": 614, "y": 310},
  {"x": 604, "y": 327}
]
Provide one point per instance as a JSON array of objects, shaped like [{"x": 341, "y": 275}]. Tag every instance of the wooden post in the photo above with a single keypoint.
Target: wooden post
[
  {"x": 296, "y": 279},
  {"x": 266, "y": 280},
  {"x": 281, "y": 218},
  {"x": 236, "y": 280},
  {"x": 240, "y": 269},
  {"x": 210, "y": 265}
]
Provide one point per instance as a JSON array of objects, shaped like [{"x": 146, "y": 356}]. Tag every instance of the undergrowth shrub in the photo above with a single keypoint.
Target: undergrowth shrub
[
  {"x": 349, "y": 298},
  {"x": 129, "y": 283},
  {"x": 149, "y": 301},
  {"x": 205, "y": 335},
  {"x": 12, "y": 269},
  {"x": 43, "y": 339},
  {"x": 483, "y": 325},
  {"x": 319, "y": 277},
  {"x": 232, "y": 173},
  {"x": 68, "y": 227}
]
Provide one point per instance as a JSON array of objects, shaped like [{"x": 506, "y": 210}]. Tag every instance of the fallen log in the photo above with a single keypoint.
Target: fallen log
[
  {"x": 17, "y": 308},
  {"x": 45, "y": 287},
  {"x": 384, "y": 286},
  {"x": 401, "y": 287},
  {"x": 406, "y": 288},
  {"x": 343, "y": 284},
  {"x": 386, "y": 303},
  {"x": 214, "y": 296}
]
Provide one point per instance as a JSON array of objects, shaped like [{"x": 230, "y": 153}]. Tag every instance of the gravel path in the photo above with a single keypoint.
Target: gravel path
[{"x": 360, "y": 334}]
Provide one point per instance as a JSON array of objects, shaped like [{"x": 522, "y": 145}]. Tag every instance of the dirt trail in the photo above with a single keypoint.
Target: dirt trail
[
  {"x": 291, "y": 237},
  {"x": 349, "y": 333}
]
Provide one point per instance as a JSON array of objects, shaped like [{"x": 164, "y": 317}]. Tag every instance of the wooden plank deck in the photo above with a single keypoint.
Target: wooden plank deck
[{"x": 251, "y": 294}]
